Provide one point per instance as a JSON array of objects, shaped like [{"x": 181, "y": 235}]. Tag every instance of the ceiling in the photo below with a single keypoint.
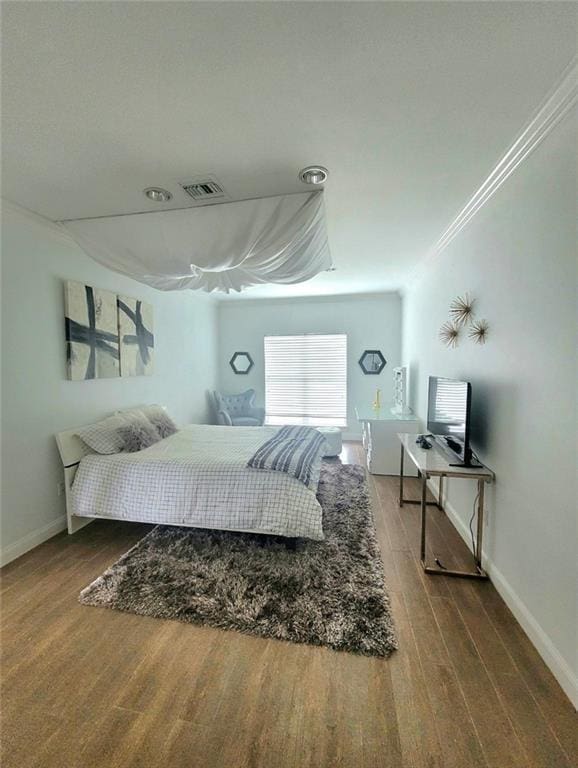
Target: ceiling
[{"x": 409, "y": 105}]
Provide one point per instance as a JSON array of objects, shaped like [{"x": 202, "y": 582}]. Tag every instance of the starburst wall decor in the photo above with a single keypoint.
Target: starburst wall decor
[
  {"x": 450, "y": 334},
  {"x": 462, "y": 314},
  {"x": 462, "y": 309},
  {"x": 479, "y": 331}
]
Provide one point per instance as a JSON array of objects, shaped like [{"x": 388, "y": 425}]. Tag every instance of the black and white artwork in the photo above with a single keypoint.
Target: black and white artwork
[
  {"x": 137, "y": 341},
  {"x": 91, "y": 325}
]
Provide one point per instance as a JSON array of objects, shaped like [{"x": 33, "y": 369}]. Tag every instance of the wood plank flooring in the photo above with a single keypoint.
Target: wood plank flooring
[{"x": 86, "y": 687}]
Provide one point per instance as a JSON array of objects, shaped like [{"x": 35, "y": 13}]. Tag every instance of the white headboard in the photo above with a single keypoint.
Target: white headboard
[{"x": 72, "y": 450}]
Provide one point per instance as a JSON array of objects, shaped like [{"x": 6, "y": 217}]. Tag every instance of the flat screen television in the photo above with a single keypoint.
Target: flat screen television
[{"x": 448, "y": 416}]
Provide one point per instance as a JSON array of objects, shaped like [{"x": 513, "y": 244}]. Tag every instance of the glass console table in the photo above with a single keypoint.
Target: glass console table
[{"x": 434, "y": 462}]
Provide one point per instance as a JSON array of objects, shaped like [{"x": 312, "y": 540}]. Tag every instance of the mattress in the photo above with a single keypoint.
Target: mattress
[{"x": 198, "y": 477}]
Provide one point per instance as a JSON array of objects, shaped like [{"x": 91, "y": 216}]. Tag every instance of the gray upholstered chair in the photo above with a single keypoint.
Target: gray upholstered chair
[{"x": 238, "y": 410}]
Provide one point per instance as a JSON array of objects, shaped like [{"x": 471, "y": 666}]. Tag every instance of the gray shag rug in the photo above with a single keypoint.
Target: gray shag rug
[{"x": 328, "y": 593}]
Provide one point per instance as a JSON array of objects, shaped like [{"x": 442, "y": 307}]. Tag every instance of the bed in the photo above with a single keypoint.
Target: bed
[{"x": 197, "y": 477}]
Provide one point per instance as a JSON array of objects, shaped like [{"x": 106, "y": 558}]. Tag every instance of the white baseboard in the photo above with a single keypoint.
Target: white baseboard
[
  {"x": 31, "y": 540},
  {"x": 540, "y": 640},
  {"x": 545, "y": 647}
]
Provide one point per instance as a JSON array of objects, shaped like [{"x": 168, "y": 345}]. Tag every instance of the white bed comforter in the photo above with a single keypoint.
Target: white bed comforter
[{"x": 198, "y": 477}]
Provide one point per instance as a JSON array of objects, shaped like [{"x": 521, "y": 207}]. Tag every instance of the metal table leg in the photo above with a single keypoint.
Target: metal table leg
[
  {"x": 423, "y": 514},
  {"x": 479, "y": 573},
  {"x": 401, "y": 476},
  {"x": 403, "y": 500},
  {"x": 480, "y": 532}
]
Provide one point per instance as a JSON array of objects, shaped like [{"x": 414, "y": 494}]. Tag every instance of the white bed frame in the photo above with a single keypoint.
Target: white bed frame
[{"x": 72, "y": 450}]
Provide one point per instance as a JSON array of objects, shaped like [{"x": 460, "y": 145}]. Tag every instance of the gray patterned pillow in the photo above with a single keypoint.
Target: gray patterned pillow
[
  {"x": 137, "y": 435},
  {"x": 162, "y": 422}
]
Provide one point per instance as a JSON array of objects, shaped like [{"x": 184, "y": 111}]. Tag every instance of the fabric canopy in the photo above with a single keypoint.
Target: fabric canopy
[{"x": 218, "y": 247}]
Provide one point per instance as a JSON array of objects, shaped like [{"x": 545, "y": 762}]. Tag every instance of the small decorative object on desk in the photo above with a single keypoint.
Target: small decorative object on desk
[
  {"x": 377, "y": 401},
  {"x": 462, "y": 309},
  {"x": 400, "y": 390}
]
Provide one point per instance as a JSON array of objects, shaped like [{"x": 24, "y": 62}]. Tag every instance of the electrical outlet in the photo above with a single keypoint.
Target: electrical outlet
[{"x": 60, "y": 488}]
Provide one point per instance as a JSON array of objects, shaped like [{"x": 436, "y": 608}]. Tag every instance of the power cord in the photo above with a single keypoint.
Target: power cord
[{"x": 471, "y": 521}]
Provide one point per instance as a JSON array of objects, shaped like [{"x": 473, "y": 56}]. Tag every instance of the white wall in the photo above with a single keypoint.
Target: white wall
[
  {"x": 37, "y": 399},
  {"x": 518, "y": 258},
  {"x": 370, "y": 322}
]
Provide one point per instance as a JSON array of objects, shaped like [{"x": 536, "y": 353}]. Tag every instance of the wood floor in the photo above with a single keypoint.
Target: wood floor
[{"x": 89, "y": 687}]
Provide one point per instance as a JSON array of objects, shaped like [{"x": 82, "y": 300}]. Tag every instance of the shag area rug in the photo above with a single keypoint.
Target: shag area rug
[{"x": 328, "y": 593}]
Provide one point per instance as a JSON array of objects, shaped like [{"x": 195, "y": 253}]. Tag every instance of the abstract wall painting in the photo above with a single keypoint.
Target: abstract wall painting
[
  {"x": 136, "y": 333},
  {"x": 91, "y": 325}
]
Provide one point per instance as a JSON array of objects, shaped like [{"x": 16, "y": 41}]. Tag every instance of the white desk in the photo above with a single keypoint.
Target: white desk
[
  {"x": 379, "y": 435},
  {"x": 434, "y": 462}
]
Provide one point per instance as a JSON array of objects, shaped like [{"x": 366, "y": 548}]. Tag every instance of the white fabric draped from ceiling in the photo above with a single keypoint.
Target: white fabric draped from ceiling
[{"x": 224, "y": 247}]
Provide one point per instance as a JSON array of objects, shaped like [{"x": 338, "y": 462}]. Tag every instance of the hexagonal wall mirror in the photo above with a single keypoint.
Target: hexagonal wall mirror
[
  {"x": 241, "y": 362},
  {"x": 372, "y": 361}
]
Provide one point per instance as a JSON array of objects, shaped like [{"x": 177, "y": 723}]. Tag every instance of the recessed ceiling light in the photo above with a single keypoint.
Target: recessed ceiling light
[
  {"x": 313, "y": 174},
  {"x": 157, "y": 195}
]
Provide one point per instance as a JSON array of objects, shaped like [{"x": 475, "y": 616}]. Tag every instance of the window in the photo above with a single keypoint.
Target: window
[{"x": 306, "y": 380}]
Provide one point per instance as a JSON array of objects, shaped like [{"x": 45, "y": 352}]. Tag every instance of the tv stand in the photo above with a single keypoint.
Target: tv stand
[
  {"x": 453, "y": 445},
  {"x": 434, "y": 463},
  {"x": 455, "y": 455}
]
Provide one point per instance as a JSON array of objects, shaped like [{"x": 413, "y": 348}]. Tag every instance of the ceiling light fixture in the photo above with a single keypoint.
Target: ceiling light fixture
[
  {"x": 313, "y": 174},
  {"x": 157, "y": 195}
]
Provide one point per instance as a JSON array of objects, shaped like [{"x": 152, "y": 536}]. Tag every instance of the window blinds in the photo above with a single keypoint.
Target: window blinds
[{"x": 306, "y": 379}]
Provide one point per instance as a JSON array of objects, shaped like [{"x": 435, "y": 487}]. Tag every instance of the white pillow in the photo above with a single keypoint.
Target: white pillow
[
  {"x": 103, "y": 437},
  {"x": 130, "y": 413},
  {"x": 142, "y": 409}
]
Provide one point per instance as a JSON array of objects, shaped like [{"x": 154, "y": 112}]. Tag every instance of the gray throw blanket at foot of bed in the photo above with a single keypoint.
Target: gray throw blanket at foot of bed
[{"x": 297, "y": 451}]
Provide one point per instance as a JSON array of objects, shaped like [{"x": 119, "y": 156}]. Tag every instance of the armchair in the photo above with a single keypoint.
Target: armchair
[{"x": 238, "y": 410}]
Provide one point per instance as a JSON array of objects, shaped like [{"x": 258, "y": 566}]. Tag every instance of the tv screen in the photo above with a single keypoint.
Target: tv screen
[{"x": 448, "y": 415}]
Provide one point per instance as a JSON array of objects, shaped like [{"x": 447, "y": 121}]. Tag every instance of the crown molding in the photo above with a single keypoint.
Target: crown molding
[
  {"x": 228, "y": 302},
  {"x": 552, "y": 110},
  {"x": 35, "y": 218}
]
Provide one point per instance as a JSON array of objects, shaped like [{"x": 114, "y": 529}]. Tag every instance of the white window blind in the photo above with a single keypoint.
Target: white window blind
[{"x": 306, "y": 379}]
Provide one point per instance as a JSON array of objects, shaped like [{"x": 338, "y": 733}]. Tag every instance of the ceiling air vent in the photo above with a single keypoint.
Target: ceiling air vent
[{"x": 204, "y": 189}]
